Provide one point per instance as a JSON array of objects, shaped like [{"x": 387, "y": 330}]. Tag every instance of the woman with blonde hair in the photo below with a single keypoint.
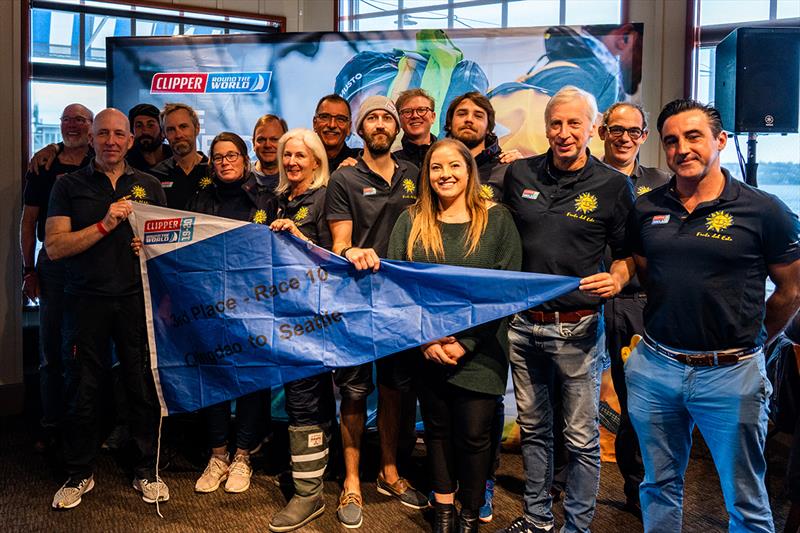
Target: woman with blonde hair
[
  {"x": 462, "y": 375},
  {"x": 303, "y": 176}
]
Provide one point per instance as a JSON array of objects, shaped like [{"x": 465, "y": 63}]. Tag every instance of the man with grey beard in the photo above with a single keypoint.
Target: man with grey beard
[
  {"x": 187, "y": 169},
  {"x": 45, "y": 280}
]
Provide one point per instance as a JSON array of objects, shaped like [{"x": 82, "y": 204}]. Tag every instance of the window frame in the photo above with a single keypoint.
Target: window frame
[
  {"x": 93, "y": 75},
  {"x": 346, "y": 23}
]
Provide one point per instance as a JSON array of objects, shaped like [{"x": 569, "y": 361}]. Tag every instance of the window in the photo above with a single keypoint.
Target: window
[
  {"x": 68, "y": 50},
  {"x": 365, "y": 15},
  {"x": 778, "y": 155}
]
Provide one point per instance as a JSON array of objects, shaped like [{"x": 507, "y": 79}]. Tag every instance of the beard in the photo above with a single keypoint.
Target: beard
[
  {"x": 378, "y": 146},
  {"x": 471, "y": 140},
  {"x": 76, "y": 143},
  {"x": 147, "y": 143},
  {"x": 182, "y": 148}
]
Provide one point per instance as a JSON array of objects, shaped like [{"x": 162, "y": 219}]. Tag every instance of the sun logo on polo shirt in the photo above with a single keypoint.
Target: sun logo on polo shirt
[
  {"x": 204, "y": 182},
  {"x": 719, "y": 221},
  {"x": 643, "y": 189},
  {"x": 138, "y": 193},
  {"x": 260, "y": 217},
  {"x": 487, "y": 193},
  {"x": 586, "y": 203},
  {"x": 409, "y": 186},
  {"x": 301, "y": 214}
]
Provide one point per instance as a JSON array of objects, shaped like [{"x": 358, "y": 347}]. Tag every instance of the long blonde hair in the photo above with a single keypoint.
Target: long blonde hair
[{"x": 426, "y": 228}]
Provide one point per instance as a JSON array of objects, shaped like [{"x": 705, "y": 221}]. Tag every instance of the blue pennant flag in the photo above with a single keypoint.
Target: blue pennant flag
[{"x": 233, "y": 308}]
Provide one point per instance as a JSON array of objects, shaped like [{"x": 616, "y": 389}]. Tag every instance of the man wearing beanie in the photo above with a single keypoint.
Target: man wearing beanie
[
  {"x": 148, "y": 139},
  {"x": 363, "y": 203}
]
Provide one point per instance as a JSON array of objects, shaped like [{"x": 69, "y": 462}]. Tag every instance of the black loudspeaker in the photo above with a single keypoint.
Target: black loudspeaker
[{"x": 756, "y": 80}]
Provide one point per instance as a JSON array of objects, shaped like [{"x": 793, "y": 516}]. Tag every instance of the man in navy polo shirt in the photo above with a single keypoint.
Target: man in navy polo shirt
[
  {"x": 704, "y": 245},
  {"x": 624, "y": 131},
  {"x": 87, "y": 227},
  {"x": 568, "y": 207},
  {"x": 363, "y": 203},
  {"x": 181, "y": 175}
]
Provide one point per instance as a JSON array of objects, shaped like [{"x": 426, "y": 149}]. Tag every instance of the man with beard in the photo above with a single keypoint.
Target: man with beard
[
  {"x": 363, "y": 204},
  {"x": 148, "y": 139},
  {"x": 181, "y": 174},
  {"x": 624, "y": 130},
  {"x": 470, "y": 119},
  {"x": 415, "y": 107},
  {"x": 87, "y": 227},
  {"x": 266, "y": 134},
  {"x": 45, "y": 281},
  {"x": 332, "y": 124}
]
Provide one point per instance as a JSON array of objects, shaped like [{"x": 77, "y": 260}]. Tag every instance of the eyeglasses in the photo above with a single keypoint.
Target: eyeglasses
[
  {"x": 230, "y": 157},
  {"x": 74, "y": 120},
  {"x": 420, "y": 111},
  {"x": 617, "y": 131},
  {"x": 341, "y": 120}
]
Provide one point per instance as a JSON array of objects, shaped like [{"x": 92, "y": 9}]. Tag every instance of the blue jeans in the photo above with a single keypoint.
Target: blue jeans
[
  {"x": 729, "y": 405},
  {"x": 539, "y": 353}
]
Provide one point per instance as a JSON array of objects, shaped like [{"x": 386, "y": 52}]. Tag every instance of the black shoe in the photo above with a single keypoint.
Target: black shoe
[
  {"x": 468, "y": 521},
  {"x": 445, "y": 518},
  {"x": 523, "y": 525}
]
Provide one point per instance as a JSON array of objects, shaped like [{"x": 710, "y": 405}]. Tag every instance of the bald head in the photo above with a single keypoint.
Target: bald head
[
  {"x": 76, "y": 120},
  {"x": 111, "y": 137}
]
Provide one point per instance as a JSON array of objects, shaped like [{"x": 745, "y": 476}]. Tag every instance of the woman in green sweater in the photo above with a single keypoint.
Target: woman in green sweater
[{"x": 461, "y": 376}]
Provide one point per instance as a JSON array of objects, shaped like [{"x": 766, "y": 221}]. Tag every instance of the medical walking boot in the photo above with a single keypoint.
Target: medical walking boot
[{"x": 309, "y": 448}]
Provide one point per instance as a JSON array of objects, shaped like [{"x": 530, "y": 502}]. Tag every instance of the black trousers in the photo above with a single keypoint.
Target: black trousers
[
  {"x": 624, "y": 317},
  {"x": 310, "y": 401},
  {"x": 98, "y": 320},
  {"x": 458, "y": 435}
]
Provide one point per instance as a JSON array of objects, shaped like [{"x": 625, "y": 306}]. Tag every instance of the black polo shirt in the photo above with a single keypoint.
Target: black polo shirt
[
  {"x": 644, "y": 179},
  {"x": 414, "y": 153},
  {"x": 135, "y": 158},
  {"x": 109, "y": 267},
  {"x": 706, "y": 270},
  {"x": 492, "y": 172},
  {"x": 565, "y": 224},
  {"x": 357, "y": 193},
  {"x": 344, "y": 153},
  {"x": 38, "y": 187},
  {"x": 179, "y": 186},
  {"x": 307, "y": 211}
]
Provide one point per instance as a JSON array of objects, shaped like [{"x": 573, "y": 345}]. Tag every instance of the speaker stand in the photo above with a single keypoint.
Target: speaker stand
[{"x": 751, "y": 167}]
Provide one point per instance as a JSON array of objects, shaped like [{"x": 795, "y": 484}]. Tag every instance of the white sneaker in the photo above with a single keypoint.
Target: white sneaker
[
  {"x": 152, "y": 491},
  {"x": 69, "y": 495},
  {"x": 239, "y": 474},
  {"x": 215, "y": 473}
]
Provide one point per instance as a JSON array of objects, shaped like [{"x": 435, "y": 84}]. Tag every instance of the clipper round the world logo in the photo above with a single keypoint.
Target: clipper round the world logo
[{"x": 210, "y": 82}]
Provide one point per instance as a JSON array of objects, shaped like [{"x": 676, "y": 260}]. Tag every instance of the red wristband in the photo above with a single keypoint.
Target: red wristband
[{"x": 101, "y": 228}]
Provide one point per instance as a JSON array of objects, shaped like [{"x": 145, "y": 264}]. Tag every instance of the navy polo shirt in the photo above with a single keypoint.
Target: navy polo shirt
[
  {"x": 109, "y": 267},
  {"x": 706, "y": 270},
  {"x": 491, "y": 172},
  {"x": 357, "y": 193},
  {"x": 307, "y": 211},
  {"x": 565, "y": 223},
  {"x": 179, "y": 186}
]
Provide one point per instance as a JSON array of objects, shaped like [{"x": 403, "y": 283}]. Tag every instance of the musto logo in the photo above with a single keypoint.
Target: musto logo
[
  {"x": 168, "y": 230},
  {"x": 210, "y": 82}
]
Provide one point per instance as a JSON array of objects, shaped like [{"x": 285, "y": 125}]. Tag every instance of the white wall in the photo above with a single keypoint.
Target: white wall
[{"x": 662, "y": 81}]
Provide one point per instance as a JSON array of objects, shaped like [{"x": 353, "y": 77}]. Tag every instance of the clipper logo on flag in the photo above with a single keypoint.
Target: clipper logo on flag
[
  {"x": 166, "y": 230},
  {"x": 210, "y": 82}
]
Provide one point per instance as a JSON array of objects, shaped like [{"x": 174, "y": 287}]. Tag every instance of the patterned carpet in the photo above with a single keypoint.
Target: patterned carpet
[{"x": 28, "y": 484}]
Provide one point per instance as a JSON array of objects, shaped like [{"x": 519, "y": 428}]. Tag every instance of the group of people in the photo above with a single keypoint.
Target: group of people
[{"x": 701, "y": 243}]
